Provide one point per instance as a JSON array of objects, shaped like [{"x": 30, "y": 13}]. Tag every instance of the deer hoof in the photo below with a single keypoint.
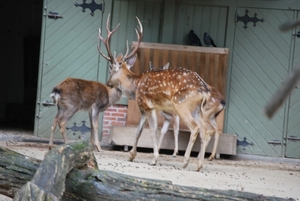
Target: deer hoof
[
  {"x": 131, "y": 158},
  {"x": 97, "y": 148},
  {"x": 210, "y": 158},
  {"x": 199, "y": 168},
  {"x": 152, "y": 164},
  {"x": 185, "y": 163}
]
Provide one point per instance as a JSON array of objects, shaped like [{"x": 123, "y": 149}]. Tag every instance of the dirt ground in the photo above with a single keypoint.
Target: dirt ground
[{"x": 271, "y": 177}]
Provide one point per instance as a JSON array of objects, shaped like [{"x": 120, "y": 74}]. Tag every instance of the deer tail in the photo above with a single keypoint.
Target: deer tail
[
  {"x": 204, "y": 100},
  {"x": 55, "y": 95}
]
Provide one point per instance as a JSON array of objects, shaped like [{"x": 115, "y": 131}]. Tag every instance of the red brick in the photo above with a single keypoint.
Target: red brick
[
  {"x": 109, "y": 109},
  {"x": 117, "y": 114},
  {"x": 107, "y": 113},
  {"x": 122, "y": 119},
  {"x": 110, "y": 118},
  {"x": 117, "y": 123},
  {"x": 123, "y": 110},
  {"x": 121, "y": 106}
]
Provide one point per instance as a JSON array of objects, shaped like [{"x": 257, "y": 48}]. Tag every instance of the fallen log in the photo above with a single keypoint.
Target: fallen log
[
  {"x": 48, "y": 183},
  {"x": 93, "y": 184}
]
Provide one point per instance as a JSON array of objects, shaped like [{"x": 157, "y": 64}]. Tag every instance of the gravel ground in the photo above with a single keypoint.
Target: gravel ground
[{"x": 267, "y": 176}]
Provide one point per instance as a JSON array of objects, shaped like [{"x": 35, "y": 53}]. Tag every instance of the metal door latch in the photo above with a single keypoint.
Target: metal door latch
[
  {"x": 54, "y": 15},
  {"x": 47, "y": 103},
  {"x": 293, "y": 138},
  {"x": 297, "y": 34}
]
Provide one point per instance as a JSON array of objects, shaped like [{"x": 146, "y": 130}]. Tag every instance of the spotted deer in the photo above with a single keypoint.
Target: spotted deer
[
  {"x": 213, "y": 107},
  {"x": 177, "y": 90},
  {"x": 72, "y": 95}
]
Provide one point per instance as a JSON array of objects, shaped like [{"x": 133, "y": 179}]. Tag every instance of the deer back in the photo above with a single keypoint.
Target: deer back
[
  {"x": 80, "y": 93},
  {"x": 166, "y": 88}
]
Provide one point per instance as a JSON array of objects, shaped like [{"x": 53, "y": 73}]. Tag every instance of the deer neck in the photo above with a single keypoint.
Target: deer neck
[
  {"x": 129, "y": 83},
  {"x": 114, "y": 95}
]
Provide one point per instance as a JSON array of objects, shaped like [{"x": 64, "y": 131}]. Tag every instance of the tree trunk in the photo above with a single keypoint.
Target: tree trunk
[{"x": 51, "y": 180}]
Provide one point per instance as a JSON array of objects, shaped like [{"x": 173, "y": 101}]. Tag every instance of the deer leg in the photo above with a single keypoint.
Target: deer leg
[
  {"x": 176, "y": 132},
  {"x": 62, "y": 118},
  {"x": 56, "y": 121},
  {"x": 152, "y": 120},
  {"x": 187, "y": 117},
  {"x": 94, "y": 116},
  {"x": 53, "y": 128},
  {"x": 214, "y": 151},
  {"x": 204, "y": 142},
  {"x": 62, "y": 126},
  {"x": 164, "y": 129},
  {"x": 217, "y": 135},
  {"x": 210, "y": 130},
  {"x": 132, "y": 152},
  {"x": 194, "y": 133}
]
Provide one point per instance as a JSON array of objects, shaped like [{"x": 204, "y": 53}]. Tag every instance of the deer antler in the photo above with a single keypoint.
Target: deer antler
[
  {"x": 106, "y": 41},
  {"x": 139, "y": 33}
]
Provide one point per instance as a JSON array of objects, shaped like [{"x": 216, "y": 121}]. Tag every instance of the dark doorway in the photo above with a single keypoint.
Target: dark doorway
[{"x": 20, "y": 47}]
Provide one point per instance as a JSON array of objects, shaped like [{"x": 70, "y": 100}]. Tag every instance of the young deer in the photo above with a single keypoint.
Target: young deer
[
  {"x": 72, "y": 95},
  {"x": 211, "y": 110},
  {"x": 177, "y": 90}
]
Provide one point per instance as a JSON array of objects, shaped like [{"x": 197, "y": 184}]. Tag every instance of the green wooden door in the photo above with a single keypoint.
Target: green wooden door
[
  {"x": 194, "y": 16},
  {"x": 261, "y": 61},
  {"x": 69, "y": 49},
  {"x": 124, "y": 12},
  {"x": 293, "y": 127}
]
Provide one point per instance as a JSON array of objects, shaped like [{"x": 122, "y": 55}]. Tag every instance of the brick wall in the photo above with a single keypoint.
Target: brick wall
[{"x": 115, "y": 115}]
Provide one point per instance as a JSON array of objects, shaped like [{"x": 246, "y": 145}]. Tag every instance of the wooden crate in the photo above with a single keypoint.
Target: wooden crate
[{"x": 125, "y": 135}]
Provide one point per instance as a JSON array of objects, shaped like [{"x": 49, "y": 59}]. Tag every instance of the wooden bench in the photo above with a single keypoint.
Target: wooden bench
[{"x": 210, "y": 63}]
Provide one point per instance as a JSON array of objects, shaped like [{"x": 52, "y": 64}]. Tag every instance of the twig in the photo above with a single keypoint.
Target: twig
[{"x": 283, "y": 92}]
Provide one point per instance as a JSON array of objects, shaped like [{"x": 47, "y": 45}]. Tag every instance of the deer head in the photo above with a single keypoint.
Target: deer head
[{"x": 119, "y": 63}]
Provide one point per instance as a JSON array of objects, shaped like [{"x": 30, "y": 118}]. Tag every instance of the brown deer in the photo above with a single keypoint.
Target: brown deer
[
  {"x": 177, "y": 90},
  {"x": 72, "y": 95},
  {"x": 211, "y": 110}
]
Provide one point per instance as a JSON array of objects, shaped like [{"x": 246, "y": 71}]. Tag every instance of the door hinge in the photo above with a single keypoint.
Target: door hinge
[{"x": 93, "y": 6}]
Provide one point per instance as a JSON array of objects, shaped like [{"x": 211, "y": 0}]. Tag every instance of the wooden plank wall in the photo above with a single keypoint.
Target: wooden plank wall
[{"x": 210, "y": 63}]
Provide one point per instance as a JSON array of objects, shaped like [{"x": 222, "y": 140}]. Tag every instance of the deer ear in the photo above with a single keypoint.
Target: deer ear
[
  {"x": 166, "y": 66},
  {"x": 130, "y": 61}
]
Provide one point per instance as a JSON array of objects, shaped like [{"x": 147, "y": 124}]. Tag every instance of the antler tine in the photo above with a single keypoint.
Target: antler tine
[
  {"x": 139, "y": 33},
  {"x": 106, "y": 41},
  {"x": 98, "y": 47}
]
